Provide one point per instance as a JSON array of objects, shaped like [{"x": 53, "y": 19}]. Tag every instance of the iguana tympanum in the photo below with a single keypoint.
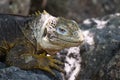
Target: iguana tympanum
[{"x": 24, "y": 41}]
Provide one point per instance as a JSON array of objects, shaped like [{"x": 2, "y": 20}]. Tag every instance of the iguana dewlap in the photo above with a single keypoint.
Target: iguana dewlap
[{"x": 23, "y": 39}]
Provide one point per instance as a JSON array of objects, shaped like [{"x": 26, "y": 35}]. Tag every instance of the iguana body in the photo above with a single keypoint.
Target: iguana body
[{"x": 23, "y": 40}]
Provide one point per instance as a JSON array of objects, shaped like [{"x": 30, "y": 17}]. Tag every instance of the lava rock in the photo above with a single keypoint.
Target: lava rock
[
  {"x": 15, "y": 73},
  {"x": 101, "y": 51}
]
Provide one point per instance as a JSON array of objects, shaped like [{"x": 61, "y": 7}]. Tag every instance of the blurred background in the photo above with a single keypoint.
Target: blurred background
[{"x": 71, "y": 9}]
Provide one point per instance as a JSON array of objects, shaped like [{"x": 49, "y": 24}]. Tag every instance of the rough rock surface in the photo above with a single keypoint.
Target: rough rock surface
[
  {"x": 15, "y": 6},
  {"x": 77, "y": 9},
  {"x": 14, "y": 73},
  {"x": 101, "y": 51},
  {"x": 72, "y": 9}
]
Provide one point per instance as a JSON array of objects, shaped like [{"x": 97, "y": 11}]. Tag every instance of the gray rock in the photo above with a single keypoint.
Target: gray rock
[
  {"x": 2, "y": 65},
  {"x": 101, "y": 50},
  {"x": 14, "y": 73}
]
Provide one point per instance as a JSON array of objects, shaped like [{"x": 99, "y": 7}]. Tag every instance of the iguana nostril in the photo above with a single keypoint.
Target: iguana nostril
[{"x": 75, "y": 34}]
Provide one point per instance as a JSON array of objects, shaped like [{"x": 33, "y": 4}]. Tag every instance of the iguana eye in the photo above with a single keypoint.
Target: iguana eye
[{"x": 61, "y": 31}]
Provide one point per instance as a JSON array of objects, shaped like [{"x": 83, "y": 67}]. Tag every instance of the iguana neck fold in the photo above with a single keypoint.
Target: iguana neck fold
[{"x": 38, "y": 26}]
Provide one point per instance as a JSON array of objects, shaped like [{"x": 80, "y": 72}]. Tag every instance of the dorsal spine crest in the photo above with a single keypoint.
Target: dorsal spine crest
[{"x": 37, "y": 13}]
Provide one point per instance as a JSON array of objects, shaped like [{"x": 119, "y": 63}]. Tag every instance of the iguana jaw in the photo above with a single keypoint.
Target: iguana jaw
[{"x": 51, "y": 46}]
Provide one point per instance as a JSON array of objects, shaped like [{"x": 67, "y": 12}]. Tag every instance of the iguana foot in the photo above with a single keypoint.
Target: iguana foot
[{"x": 47, "y": 62}]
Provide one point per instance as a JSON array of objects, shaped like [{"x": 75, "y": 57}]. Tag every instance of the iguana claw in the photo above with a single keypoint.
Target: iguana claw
[{"x": 47, "y": 62}]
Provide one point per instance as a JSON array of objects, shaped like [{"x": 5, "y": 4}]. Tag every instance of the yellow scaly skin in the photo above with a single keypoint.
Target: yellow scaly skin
[{"x": 25, "y": 41}]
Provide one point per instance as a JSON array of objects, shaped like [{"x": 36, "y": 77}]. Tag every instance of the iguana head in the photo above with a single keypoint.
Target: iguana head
[{"x": 56, "y": 33}]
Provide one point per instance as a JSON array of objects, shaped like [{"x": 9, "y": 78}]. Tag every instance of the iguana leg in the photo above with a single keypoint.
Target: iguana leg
[{"x": 23, "y": 56}]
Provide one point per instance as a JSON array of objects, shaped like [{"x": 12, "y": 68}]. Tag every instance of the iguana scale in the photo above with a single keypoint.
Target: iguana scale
[{"x": 25, "y": 40}]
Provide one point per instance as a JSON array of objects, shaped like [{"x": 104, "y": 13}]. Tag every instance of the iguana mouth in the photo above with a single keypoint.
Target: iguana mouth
[
  {"x": 76, "y": 42},
  {"x": 70, "y": 41}
]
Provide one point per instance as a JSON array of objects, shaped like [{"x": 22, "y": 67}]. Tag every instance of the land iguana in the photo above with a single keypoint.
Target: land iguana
[{"x": 25, "y": 40}]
